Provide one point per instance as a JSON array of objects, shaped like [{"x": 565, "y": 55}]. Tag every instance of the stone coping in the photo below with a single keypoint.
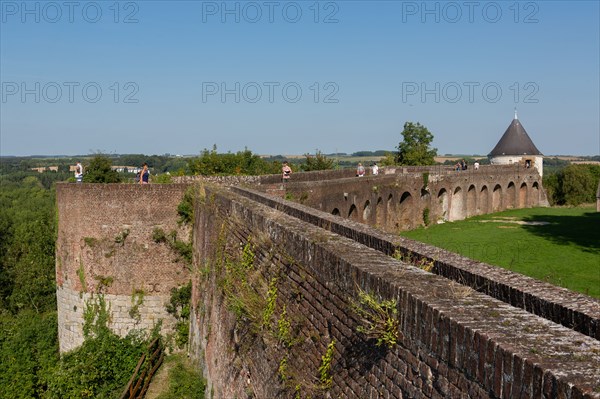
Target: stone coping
[{"x": 570, "y": 309}]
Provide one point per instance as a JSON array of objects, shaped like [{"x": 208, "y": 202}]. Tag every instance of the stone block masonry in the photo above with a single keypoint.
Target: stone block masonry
[
  {"x": 105, "y": 244},
  {"x": 452, "y": 342},
  {"x": 573, "y": 310}
]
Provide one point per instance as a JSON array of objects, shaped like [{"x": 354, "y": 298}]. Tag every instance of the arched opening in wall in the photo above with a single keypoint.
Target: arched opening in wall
[
  {"x": 496, "y": 198},
  {"x": 353, "y": 213},
  {"x": 366, "y": 212},
  {"x": 335, "y": 212},
  {"x": 457, "y": 206},
  {"x": 535, "y": 194},
  {"x": 405, "y": 211},
  {"x": 471, "y": 198},
  {"x": 511, "y": 193},
  {"x": 443, "y": 204},
  {"x": 523, "y": 196},
  {"x": 380, "y": 214},
  {"x": 482, "y": 203}
]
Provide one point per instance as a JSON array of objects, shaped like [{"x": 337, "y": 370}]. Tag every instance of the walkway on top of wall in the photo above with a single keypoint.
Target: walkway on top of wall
[{"x": 576, "y": 311}]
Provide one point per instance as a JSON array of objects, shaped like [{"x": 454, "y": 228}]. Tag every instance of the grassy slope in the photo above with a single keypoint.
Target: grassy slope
[{"x": 565, "y": 252}]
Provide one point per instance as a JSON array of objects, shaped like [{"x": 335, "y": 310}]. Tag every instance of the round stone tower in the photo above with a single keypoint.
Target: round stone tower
[{"x": 515, "y": 146}]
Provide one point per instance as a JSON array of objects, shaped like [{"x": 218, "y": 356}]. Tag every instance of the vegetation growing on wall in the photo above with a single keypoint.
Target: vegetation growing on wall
[
  {"x": 326, "y": 378},
  {"x": 250, "y": 277},
  {"x": 102, "y": 365},
  {"x": 179, "y": 307},
  {"x": 378, "y": 319}
]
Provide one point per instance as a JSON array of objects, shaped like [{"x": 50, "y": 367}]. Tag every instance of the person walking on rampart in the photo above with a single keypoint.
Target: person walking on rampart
[
  {"x": 144, "y": 174},
  {"x": 286, "y": 172},
  {"x": 360, "y": 170},
  {"x": 375, "y": 169},
  {"x": 78, "y": 172}
]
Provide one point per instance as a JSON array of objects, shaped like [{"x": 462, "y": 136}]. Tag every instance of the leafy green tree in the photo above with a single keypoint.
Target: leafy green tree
[
  {"x": 241, "y": 163},
  {"x": 317, "y": 162},
  {"x": 389, "y": 159},
  {"x": 572, "y": 185},
  {"x": 28, "y": 353},
  {"x": 578, "y": 185},
  {"x": 27, "y": 225},
  {"x": 99, "y": 171},
  {"x": 415, "y": 148}
]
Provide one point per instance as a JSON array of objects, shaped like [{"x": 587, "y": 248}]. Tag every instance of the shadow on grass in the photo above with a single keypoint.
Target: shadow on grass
[{"x": 583, "y": 231}]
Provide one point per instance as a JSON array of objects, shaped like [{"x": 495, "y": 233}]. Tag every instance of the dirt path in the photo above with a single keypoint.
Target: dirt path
[{"x": 160, "y": 381}]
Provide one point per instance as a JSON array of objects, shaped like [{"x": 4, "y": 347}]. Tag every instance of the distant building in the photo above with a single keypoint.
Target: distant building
[
  {"x": 515, "y": 146},
  {"x": 127, "y": 169},
  {"x": 42, "y": 169}
]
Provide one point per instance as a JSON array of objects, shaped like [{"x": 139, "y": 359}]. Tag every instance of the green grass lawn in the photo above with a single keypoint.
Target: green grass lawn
[{"x": 557, "y": 245}]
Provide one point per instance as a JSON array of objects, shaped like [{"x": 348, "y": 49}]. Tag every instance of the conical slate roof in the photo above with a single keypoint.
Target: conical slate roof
[{"x": 515, "y": 141}]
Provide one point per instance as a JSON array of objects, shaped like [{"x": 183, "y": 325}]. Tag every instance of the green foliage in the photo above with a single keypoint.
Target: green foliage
[
  {"x": 120, "y": 238},
  {"x": 185, "y": 208},
  {"x": 240, "y": 163},
  {"x": 96, "y": 317},
  {"x": 415, "y": 148},
  {"x": 325, "y": 376},
  {"x": 317, "y": 162},
  {"x": 284, "y": 329},
  {"x": 573, "y": 185},
  {"x": 283, "y": 369},
  {"x": 185, "y": 380},
  {"x": 100, "y": 368},
  {"x": 164, "y": 178},
  {"x": 426, "y": 219},
  {"x": 579, "y": 183},
  {"x": 158, "y": 235},
  {"x": 183, "y": 249},
  {"x": 271, "y": 302},
  {"x": 378, "y": 319},
  {"x": 137, "y": 300},
  {"x": 425, "y": 179},
  {"x": 179, "y": 307},
  {"x": 27, "y": 246},
  {"x": 28, "y": 353},
  {"x": 99, "y": 171}
]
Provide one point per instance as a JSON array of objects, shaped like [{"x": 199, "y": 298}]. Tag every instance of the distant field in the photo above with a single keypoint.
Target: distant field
[{"x": 557, "y": 245}]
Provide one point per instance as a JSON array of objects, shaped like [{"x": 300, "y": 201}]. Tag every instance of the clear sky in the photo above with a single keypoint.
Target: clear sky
[{"x": 290, "y": 77}]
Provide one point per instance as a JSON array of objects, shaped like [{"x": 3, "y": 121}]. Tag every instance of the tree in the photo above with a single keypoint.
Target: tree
[
  {"x": 578, "y": 184},
  {"x": 415, "y": 148},
  {"x": 317, "y": 162},
  {"x": 99, "y": 171}
]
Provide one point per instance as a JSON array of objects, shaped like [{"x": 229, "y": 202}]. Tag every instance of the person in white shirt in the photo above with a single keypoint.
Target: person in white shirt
[{"x": 375, "y": 169}]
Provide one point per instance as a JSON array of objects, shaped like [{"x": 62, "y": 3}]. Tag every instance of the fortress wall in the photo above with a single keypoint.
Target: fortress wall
[
  {"x": 105, "y": 245},
  {"x": 453, "y": 342},
  {"x": 559, "y": 305}
]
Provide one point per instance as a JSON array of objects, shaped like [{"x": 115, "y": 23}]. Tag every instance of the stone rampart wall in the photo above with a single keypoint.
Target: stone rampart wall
[
  {"x": 452, "y": 342},
  {"x": 105, "y": 245}
]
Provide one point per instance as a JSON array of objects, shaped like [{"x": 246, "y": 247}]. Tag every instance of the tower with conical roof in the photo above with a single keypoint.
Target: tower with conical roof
[{"x": 515, "y": 146}]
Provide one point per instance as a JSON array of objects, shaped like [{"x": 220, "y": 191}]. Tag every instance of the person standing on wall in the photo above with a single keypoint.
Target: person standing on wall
[
  {"x": 78, "y": 172},
  {"x": 286, "y": 172},
  {"x": 375, "y": 169},
  {"x": 144, "y": 174},
  {"x": 360, "y": 170}
]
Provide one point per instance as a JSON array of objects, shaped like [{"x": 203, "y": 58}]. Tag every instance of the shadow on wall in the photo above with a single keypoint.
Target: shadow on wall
[{"x": 569, "y": 230}]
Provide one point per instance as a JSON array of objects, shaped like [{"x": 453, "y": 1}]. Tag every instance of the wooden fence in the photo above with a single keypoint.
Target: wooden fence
[{"x": 140, "y": 380}]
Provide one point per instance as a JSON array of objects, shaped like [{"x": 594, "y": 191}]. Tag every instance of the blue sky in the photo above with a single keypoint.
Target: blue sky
[{"x": 290, "y": 77}]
